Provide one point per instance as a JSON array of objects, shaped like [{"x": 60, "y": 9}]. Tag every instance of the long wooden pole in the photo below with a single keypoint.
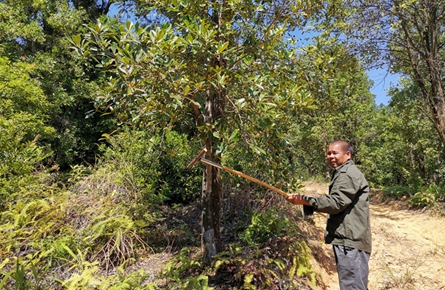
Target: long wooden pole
[
  {"x": 199, "y": 157},
  {"x": 209, "y": 162}
]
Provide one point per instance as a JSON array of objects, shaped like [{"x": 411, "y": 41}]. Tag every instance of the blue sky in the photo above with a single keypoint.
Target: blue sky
[{"x": 382, "y": 82}]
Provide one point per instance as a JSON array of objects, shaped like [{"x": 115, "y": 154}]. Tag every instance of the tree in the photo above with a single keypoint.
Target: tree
[
  {"x": 223, "y": 63},
  {"x": 35, "y": 32},
  {"x": 408, "y": 36},
  {"x": 25, "y": 136},
  {"x": 421, "y": 26},
  {"x": 342, "y": 107},
  {"x": 405, "y": 147}
]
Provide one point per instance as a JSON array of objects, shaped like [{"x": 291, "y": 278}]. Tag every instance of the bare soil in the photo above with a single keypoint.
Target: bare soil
[{"x": 408, "y": 246}]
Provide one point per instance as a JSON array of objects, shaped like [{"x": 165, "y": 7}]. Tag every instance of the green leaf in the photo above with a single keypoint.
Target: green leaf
[
  {"x": 248, "y": 278},
  {"x": 222, "y": 46},
  {"x": 234, "y": 136},
  {"x": 76, "y": 39}
]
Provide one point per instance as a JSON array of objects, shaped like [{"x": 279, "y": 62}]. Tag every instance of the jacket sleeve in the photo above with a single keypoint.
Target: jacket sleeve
[{"x": 341, "y": 195}]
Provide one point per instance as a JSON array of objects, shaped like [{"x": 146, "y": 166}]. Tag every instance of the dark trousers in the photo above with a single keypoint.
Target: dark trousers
[{"x": 352, "y": 268}]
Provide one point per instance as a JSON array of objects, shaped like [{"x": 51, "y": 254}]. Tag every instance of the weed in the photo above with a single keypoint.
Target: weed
[
  {"x": 398, "y": 191},
  {"x": 403, "y": 279},
  {"x": 185, "y": 272},
  {"x": 122, "y": 281},
  {"x": 422, "y": 199},
  {"x": 280, "y": 263},
  {"x": 114, "y": 234},
  {"x": 263, "y": 226},
  {"x": 20, "y": 278}
]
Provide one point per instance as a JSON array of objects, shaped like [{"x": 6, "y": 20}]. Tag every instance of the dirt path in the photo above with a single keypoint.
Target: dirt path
[{"x": 408, "y": 248}]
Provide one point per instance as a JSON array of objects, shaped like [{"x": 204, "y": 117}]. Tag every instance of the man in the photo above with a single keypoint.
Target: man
[{"x": 348, "y": 226}]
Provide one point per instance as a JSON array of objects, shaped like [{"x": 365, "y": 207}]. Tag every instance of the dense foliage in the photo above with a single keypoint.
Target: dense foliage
[{"x": 101, "y": 114}]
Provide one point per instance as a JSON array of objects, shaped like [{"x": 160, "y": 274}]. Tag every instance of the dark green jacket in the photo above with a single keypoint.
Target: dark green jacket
[{"x": 348, "y": 207}]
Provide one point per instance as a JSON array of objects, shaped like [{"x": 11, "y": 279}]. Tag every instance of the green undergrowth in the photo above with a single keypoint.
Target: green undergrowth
[
  {"x": 89, "y": 228},
  {"x": 96, "y": 227},
  {"x": 94, "y": 237},
  {"x": 59, "y": 239},
  {"x": 431, "y": 197},
  {"x": 81, "y": 230},
  {"x": 267, "y": 254}
]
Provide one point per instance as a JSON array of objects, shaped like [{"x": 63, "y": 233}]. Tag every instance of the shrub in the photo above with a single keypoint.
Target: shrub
[
  {"x": 422, "y": 199},
  {"x": 427, "y": 197},
  {"x": 398, "y": 191},
  {"x": 154, "y": 166},
  {"x": 265, "y": 225}
]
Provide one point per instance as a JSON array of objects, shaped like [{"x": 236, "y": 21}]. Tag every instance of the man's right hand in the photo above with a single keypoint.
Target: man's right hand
[{"x": 297, "y": 198}]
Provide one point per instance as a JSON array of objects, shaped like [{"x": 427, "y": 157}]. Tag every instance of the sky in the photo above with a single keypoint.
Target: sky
[{"x": 382, "y": 82}]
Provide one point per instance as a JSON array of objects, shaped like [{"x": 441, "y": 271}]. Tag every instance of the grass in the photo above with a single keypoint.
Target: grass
[{"x": 403, "y": 278}]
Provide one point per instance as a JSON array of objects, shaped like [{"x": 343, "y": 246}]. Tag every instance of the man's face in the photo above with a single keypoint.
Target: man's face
[{"x": 336, "y": 155}]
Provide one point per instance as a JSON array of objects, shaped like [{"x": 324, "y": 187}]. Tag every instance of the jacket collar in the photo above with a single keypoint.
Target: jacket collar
[{"x": 346, "y": 164}]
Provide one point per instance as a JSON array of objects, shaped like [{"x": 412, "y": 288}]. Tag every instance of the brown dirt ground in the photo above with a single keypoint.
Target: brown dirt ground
[{"x": 408, "y": 247}]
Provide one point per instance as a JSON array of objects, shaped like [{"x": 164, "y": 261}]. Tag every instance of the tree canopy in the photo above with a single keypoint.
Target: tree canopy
[{"x": 406, "y": 36}]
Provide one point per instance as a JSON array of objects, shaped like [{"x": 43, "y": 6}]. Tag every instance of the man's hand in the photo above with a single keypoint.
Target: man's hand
[{"x": 297, "y": 198}]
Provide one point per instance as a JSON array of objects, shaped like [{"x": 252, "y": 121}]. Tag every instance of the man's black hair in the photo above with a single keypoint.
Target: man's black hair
[{"x": 344, "y": 145}]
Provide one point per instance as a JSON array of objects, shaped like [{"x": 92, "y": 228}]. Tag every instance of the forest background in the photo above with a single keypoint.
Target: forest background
[{"x": 104, "y": 103}]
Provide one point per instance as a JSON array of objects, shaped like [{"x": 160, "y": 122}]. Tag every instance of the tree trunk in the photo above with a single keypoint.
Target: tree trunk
[
  {"x": 440, "y": 120},
  {"x": 425, "y": 60},
  {"x": 211, "y": 187},
  {"x": 211, "y": 196}
]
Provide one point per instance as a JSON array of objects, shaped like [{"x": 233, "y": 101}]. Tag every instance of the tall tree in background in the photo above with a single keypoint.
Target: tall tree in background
[
  {"x": 35, "y": 32},
  {"x": 343, "y": 107},
  {"x": 407, "y": 36},
  {"x": 226, "y": 63},
  {"x": 402, "y": 147}
]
